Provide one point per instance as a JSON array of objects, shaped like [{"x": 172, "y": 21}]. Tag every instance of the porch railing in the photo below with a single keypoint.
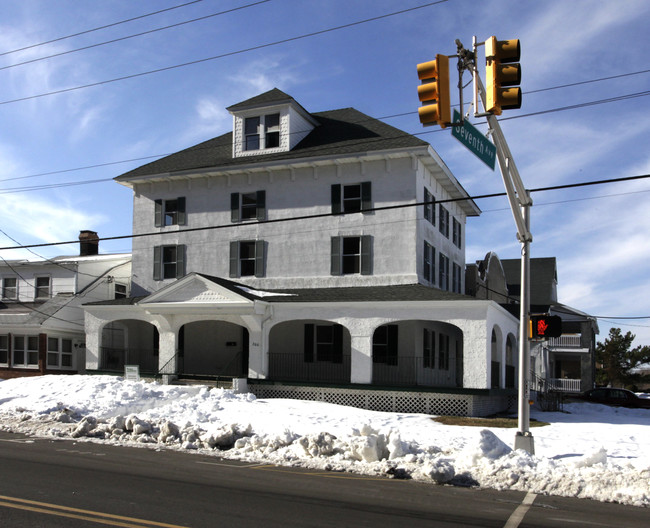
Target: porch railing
[
  {"x": 565, "y": 385},
  {"x": 410, "y": 371},
  {"x": 292, "y": 367},
  {"x": 114, "y": 359}
]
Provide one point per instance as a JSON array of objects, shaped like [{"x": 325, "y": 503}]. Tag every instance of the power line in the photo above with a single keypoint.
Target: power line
[
  {"x": 104, "y": 180},
  {"x": 119, "y": 39},
  {"x": 98, "y": 28},
  {"x": 325, "y": 215},
  {"x": 223, "y": 55}
]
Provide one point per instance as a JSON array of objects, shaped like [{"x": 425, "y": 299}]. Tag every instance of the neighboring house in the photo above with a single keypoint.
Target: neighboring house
[
  {"x": 291, "y": 252},
  {"x": 565, "y": 363},
  {"x": 41, "y": 318}
]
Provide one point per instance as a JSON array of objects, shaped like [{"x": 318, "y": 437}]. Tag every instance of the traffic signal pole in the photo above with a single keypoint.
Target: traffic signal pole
[
  {"x": 503, "y": 74},
  {"x": 520, "y": 204}
]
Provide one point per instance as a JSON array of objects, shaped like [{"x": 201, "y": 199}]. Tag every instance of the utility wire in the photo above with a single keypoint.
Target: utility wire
[
  {"x": 98, "y": 28},
  {"x": 324, "y": 215},
  {"x": 223, "y": 55},
  {"x": 119, "y": 39},
  {"x": 103, "y": 180}
]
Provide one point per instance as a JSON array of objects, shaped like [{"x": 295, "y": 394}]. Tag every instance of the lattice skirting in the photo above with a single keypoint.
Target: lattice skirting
[{"x": 392, "y": 401}]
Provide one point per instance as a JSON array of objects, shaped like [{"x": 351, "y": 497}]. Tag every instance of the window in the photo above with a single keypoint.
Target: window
[
  {"x": 25, "y": 351},
  {"x": 457, "y": 234},
  {"x": 10, "y": 288},
  {"x": 170, "y": 212},
  {"x": 168, "y": 262},
  {"x": 443, "y": 272},
  {"x": 248, "y": 206},
  {"x": 444, "y": 220},
  {"x": 323, "y": 343},
  {"x": 384, "y": 345},
  {"x": 120, "y": 291},
  {"x": 42, "y": 288},
  {"x": 429, "y": 267},
  {"x": 4, "y": 349},
  {"x": 351, "y": 255},
  {"x": 429, "y": 207},
  {"x": 456, "y": 278},
  {"x": 262, "y": 132},
  {"x": 247, "y": 258},
  {"x": 351, "y": 198},
  {"x": 443, "y": 352},
  {"x": 428, "y": 348},
  {"x": 59, "y": 352}
]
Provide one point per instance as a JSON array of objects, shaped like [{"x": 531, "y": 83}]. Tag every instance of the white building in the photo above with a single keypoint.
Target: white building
[
  {"x": 41, "y": 318},
  {"x": 343, "y": 242}
]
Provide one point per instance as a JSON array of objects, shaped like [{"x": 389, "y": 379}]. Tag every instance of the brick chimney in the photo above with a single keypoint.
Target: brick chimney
[{"x": 88, "y": 243}]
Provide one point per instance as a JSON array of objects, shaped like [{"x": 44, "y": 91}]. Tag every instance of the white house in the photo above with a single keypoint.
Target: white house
[
  {"x": 318, "y": 255},
  {"x": 41, "y": 318}
]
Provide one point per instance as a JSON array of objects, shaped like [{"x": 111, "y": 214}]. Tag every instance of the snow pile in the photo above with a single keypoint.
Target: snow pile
[{"x": 590, "y": 452}]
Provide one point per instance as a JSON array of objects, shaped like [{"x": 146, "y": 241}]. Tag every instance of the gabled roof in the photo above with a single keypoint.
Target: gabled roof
[
  {"x": 339, "y": 132},
  {"x": 365, "y": 294},
  {"x": 272, "y": 97}
]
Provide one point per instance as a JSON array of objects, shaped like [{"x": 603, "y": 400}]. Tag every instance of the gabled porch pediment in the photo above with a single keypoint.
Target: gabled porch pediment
[{"x": 193, "y": 293}]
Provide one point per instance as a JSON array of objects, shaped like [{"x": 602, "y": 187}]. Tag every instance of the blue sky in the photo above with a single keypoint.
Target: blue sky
[{"x": 599, "y": 234}]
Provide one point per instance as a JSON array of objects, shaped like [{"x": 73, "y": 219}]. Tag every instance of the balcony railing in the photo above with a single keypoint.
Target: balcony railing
[
  {"x": 409, "y": 371},
  {"x": 564, "y": 341}
]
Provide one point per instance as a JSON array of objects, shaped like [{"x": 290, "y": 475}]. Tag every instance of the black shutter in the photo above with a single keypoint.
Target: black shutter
[
  {"x": 337, "y": 344},
  {"x": 336, "y": 256},
  {"x": 261, "y": 205},
  {"x": 234, "y": 259},
  {"x": 391, "y": 340},
  {"x": 180, "y": 209},
  {"x": 158, "y": 213},
  {"x": 366, "y": 195},
  {"x": 336, "y": 199},
  {"x": 157, "y": 263},
  {"x": 180, "y": 261},
  {"x": 309, "y": 343},
  {"x": 234, "y": 208},
  {"x": 259, "y": 258},
  {"x": 366, "y": 255}
]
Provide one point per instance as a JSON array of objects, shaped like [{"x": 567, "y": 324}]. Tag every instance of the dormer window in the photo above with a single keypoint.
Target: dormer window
[{"x": 262, "y": 132}]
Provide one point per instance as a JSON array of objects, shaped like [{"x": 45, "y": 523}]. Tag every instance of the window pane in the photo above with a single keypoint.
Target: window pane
[
  {"x": 19, "y": 343},
  {"x": 52, "y": 360},
  {"x": 32, "y": 358},
  {"x": 247, "y": 259},
  {"x": 249, "y": 206},
  {"x": 169, "y": 262},
  {"x": 9, "y": 290},
  {"x": 251, "y": 125},
  {"x": 53, "y": 344},
  {"x": 171, "y": 212},
  {"x": 66, "y": 360},
  {"x": 42, "y": 287},
  {"x": 271, "y": 121},
  {"x": 4, "y": 342},
  {"x": 351, "y": 198},
  {"x": 32, "y": 343},
  {"x": 66, "y": 345},
  {"x": 19, "y": 357},
  {"x": 272, "y": 139}
]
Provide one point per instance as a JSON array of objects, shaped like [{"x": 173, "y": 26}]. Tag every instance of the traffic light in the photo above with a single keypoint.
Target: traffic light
[
  {"x": 545, "y": 326},
  {"x": 434, "y": 92},
  {"x": 502, "y": 75}
]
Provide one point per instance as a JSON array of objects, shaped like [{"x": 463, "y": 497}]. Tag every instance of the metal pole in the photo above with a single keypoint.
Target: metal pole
[{"x": 524, "y": 439}]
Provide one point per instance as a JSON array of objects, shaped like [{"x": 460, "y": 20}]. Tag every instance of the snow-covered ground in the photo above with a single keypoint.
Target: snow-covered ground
[{"x": 589, "y": 451}]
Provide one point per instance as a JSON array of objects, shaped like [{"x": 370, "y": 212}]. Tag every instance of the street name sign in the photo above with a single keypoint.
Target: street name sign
[{"x": 475, "y": 141}]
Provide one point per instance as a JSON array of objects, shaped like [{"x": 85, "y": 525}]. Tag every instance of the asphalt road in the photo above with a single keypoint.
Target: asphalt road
[{"x": 64, "y": 483}]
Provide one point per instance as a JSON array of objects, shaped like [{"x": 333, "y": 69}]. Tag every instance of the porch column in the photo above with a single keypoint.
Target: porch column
[
  {"x": 361, "y": 359},
  {"x": 477, "y": 344},
  {"x": 167, "y": 345},
  {"x": 93, "y": 333},
  {"x": 258, "y": 341}
]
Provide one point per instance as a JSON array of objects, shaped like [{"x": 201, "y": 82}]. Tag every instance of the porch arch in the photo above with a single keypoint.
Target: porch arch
[
  {"x": 309, "y": 350},
  {"x": 129, "y": 342},
  {"x": 417, "y": 353},
  {"x": 212, "y": 347}
]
